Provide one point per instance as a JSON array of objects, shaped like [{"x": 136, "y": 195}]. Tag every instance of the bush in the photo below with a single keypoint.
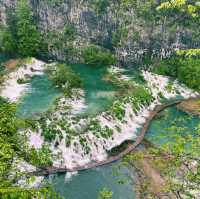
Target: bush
[
  {"x": 167, "y": 67},
  {"x": 99, "y": 6},
  {"x": 188, "y": 73},
  {"x": 41, "y": 157},
  {"x": 186, "y": 70},
  {"x": 23, "y": 81},
  {"x": 65, "y": 78},
  {"x": 97, "y": 55},
  {"x": 2, "y": 67}
]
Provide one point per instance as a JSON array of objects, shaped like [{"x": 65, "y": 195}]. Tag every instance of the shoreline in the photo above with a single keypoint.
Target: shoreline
[
  {"x": 191, "y": 107},
  {"x": 11, "y": 88},
  {"x": 111, "y": 159}
]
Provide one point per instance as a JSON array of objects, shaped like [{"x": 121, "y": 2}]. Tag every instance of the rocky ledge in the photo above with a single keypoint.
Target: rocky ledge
[{"x": 191, "y": 106}]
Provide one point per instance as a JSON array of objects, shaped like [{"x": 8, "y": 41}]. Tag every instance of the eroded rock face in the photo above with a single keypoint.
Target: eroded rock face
[{"x": 142, "y": 37}]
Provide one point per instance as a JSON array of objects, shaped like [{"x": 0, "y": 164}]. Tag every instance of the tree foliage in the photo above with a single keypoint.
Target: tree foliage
[
  {"x": 177, "y": 161},
  {"x": 96, "y": 55},
  {"x": 21, "y": 35},
  {"x": 186, "y": 70},
  {"x": 13, "y": 146},
  {"x": 105, "y": 194},
  {"x": 28, "y": 37},
  {"x": 65, "y": 79}
]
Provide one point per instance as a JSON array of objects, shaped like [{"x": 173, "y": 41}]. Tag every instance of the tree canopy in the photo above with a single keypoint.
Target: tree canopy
[{"x": 20, "y": 36}]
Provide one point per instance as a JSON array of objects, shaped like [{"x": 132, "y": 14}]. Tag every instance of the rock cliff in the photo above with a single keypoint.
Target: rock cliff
[{"x": 130, "y": 35}]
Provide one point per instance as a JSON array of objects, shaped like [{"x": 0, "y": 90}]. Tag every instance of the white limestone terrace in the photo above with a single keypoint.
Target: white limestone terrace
[
  {"x": 160, "y": 84},
  {"x": 91, "y": 146},
  {"x": 11, "y": 89},
  {"x": 25, "y": 181}
]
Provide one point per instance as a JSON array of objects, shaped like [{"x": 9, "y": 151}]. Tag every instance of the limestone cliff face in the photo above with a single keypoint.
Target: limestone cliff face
[{"x": 53, "y": 16}]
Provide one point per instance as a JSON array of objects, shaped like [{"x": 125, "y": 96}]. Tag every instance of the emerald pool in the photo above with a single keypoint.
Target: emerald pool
[
  {"x": 87, "y": 184},
  {"x": 99, "y": 94},
  {"x": 161, "y": 129},
  {"x": 39, "y": 98},
  {"x": 41, "y": 95}
]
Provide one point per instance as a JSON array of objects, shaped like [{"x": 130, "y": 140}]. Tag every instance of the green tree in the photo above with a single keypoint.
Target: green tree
[
  {"x": 177, "y": 161},
  {"x": 12, "y": 146},
  {"x": 7, "y": 42},
  {"x": 96, "y": 55},
  {"x": 100, "y": 6},
  {"x": 28, "y": 37},
  {"x": 65, "y": 79}
]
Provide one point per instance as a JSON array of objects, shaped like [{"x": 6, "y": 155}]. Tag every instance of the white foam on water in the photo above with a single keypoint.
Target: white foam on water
[{"x": 35, "y": 140}]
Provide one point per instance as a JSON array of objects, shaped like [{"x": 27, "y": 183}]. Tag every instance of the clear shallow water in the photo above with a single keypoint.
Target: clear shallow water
[
  {"x": 39, "y": 98},
  {"x": 98, "y": 93},
  {"x": 88, "y": 184},
  {"x": 159, "y": 133}
]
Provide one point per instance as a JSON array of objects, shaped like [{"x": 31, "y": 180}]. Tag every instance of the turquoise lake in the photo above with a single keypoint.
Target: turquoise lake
[
  {"x": 159, "y": 131},
  {"x": 41, "y": 95}
]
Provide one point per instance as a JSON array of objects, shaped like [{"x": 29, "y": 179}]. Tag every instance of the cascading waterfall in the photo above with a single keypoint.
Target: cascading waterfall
[
  {"x": 92, "y": 144},
  {"x": 79, "y": 141}
]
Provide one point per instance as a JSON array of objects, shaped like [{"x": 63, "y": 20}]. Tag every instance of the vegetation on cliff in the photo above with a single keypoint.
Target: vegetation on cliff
[
  {"x": 185, "y": 69},
  {"x": 20, "y": 36},
  {"x": 99, "y": 56}
]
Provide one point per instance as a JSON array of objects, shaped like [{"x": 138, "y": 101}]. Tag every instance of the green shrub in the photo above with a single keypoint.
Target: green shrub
[
  {"x": 40, "y": 157},
  {"x": 2, "y": 68},
  {"x": 65, "y": 78},
  {"x": 97, "y": 55},
  {"x": 69, "y": 32},
  {"x": 187, "y": 70},
  {"x": 99, "y": 6},
  {"x": 167, "y": 67},
  {"x": 188, "y": 73},
  {"x": 119, "y": 35},
  {"x": 22, "y": 81},
  {"x": 118, "y": 110},
  {"x": 49, "y": 134}
]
